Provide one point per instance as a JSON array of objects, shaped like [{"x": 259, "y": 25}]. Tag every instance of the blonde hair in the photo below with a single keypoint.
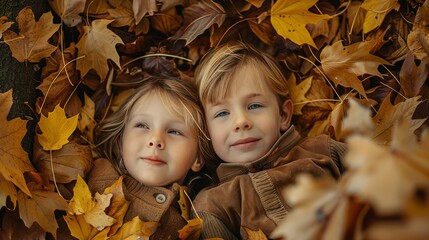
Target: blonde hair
[
  {"x": 213, "y": 75},
  {"x": 180, "y": 98}
]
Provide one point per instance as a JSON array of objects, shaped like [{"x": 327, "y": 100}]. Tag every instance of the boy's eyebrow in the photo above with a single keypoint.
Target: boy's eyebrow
[{"x": 250, "y": 95}]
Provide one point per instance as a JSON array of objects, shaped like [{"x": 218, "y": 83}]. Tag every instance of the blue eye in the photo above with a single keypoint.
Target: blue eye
[
  {"x": 175, "y": 132},
  {"x": 142, "y": 125},
  {"x": 221, "y": 114},
  {"x": 254, "y": 106}
]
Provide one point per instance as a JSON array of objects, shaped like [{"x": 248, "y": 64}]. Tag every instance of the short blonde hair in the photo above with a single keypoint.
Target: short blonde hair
[
  {"x": 213, "y": 75},
  {"x": 180, "y": 97}
]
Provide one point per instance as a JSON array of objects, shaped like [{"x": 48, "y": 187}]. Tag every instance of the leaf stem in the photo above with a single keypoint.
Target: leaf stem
[{"x": 53, "y": 174}]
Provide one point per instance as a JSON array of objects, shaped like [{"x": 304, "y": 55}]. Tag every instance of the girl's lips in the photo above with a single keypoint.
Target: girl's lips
[{"x": 153, "y": 160}]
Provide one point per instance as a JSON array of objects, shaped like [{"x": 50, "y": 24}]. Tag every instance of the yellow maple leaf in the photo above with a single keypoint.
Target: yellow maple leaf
[
  {"x": 289, "y": 18},
  {"x": 118, "y": 205},
  {"x": 298, "y": 91},
  {"x": 97, "y": 44},
  {"x": 135, "y": 229},
  {"x": 376, "y": 12},
  {"x": 255, "y": 235},
  {"x": 87, "y": 122},
  {"x": 82, "y": 230},
  {"x": 92, "y": 210},
  {"x": 7, "y": 189},
  {"x": 40, "y": 208},
  {"x": 14, "y": 160},
  {"x": 56, "y": 129},
  {"x": 343, "y": 64},
  {"x": 32, "y": 42},
  {"x": 192, "y": 230},
  {"x": 184, "y": 204}
]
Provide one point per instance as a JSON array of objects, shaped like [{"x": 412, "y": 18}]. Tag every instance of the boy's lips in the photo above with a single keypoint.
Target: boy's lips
[
  {"x": 153, "y": 160},
  {"x": 245, "y": 142}
]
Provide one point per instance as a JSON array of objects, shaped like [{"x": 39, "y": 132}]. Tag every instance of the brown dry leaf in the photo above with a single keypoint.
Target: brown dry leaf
[
  {"x": 56, "y": 129},
  {"x": 96, "y": 46},
  {"x": 331, "y": 125},
  {"x": 12, "y": 227},
  {"x": 4, "y": 25},
  {"x": 386, "y": 178},
  {"x": 14, "y": 160},
  {"x": 289, "y": 19},
  {"x": 135, "y": 229},
  {"x": 71, "y": 160},
  {"x": 58, "y": 86},
  {"x": 168, "y": 22},
  {"x": 413, "y": 77},
  {"x": 141, "y": 8},
  {"x": 123, "y": 15},
  {"x": 32, "y": 42},
  {"x": 355, "y": 17},
  {"x": 313, "y": 202},
  {"x": 7, "y": 189},
  {"x": 358, "y": 119},
  {"x": 97, "y": 8},
  {"x": 418, "y": 38},
  {"x": 92, "y": 210},
  {"x": 198, "y": 18},
  {"x": 376, "y": 12},
  {"x": 343, "y": 64},
  {"x": 40, "y": 208},
  {"x": 255, "y": 235},
  {"x": 298, "y": 92},
  {"x": 388, "y": 114},
  {"x": 118, "y": 205},
  {"x": 68, "y": 10},
  {"x": 192, "y": 230}
]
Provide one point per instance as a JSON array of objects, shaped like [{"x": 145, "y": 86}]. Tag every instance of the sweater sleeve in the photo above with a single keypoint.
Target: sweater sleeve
[{"x": 213, "y": 227}]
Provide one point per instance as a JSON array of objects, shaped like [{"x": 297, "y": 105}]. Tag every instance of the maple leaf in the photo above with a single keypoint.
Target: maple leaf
[
  {"x": 388, "y": 114},
  {"x": 343, "y": 64},
  {"x": 413, "y": 77},
  {"x": 14, "y": 160},
  {"x": 68, "y": 10},
  {"x": 376, "y": 12},
  {"x": 255, "y": 235},
  {"x": 198, "y": 18},
  {"x": 4, "y": 25},
  {"x": 136, "y": 229},
  {"x": 86, "y": 123},
  {"x": 332, "y": 121},
  {"x": 56, "y": 129},
  {"x": 118, "y": 205},
  {"x": 141, "y": 8},
  {"x": 40, "y": 208},
  {"x": 298, "y": 91},
  {"x": 82, "y": 230},
  {"x": 32, "y": 42},
  {"x": 417, "y": 39},
  {"x": 92, "y": 210},
  {"x": 289, "y": 18},
  {"x": 7, "y": 189},
  {"x": 97, "y": 44},
  {"x": 184, "y": 204}
]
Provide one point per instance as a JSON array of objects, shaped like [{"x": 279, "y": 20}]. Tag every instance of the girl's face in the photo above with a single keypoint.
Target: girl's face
[
  {"x": 246, "y": 123},
  {"x": 157, "y": 147}
]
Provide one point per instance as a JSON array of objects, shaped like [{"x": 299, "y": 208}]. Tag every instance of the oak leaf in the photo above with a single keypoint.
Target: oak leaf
[
  {"x": 289, "y": 18},
  {"x": 198, "y": 18},
  {"x": 14, "y": 160},
  {"x": 376, "y": 12},
  {"x": 96, "y": 46},
  {"x": 68, "y": 10},
  {"x": 32, "y": 42},
  {"x": 4, "y": 25},
  {"x": 40, "y": 208},
  {"x": 298, "y": 92},
  {"x": 343, "y": 64},
  {"x": 82, "y": 203},
  {"x": 135, "y": 229},
  {"x": 56, "y": 129}
]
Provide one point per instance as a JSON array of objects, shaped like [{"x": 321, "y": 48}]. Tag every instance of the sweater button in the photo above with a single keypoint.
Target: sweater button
[{"x": 160, "y": 198}]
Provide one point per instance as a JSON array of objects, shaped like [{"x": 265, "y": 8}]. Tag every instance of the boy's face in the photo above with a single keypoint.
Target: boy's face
[
  {"x": 157, "y": 146},
  {"x": 247, "y": 122}
]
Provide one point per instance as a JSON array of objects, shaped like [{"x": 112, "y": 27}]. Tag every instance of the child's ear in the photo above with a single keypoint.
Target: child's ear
[
  {"x": 286, "y": 112},
  {"x": 198, "y": 164}
]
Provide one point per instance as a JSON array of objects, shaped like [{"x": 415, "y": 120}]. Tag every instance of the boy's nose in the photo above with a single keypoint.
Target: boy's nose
[{"x": 242, "y": 123}]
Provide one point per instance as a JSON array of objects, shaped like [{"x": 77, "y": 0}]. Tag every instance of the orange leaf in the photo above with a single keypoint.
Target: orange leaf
[
  {"x": 40, "y": 208},
  {"x": 184, "y": 204},
  {"x": 4, "y": 25},
  {"x": 13, "y": 159},
  {"x": 7, "y": 189},
  {"x": 289, "y": 18},
  {"x": 298, "y": 91},
  {"x": 32, "y": 42},
  {"x": 97, "y": 44},
  {"x": 56, "y": 129},
  {"x": 343, "y": 64}
]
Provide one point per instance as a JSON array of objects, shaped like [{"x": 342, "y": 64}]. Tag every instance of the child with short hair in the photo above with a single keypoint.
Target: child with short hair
[
  {"x": 248, "y": 113},
  {"x": 154, "y": 139}
]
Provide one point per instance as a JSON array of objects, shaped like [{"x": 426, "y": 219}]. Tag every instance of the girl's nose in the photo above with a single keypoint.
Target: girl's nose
[{"x": 156, "y": 141}]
